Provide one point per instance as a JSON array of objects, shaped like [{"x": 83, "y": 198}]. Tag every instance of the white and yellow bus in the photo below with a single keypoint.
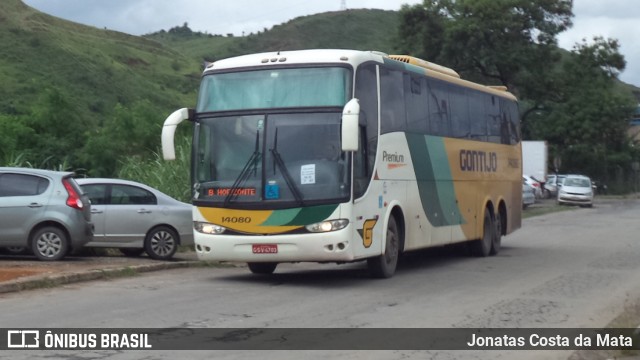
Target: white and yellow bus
[{"x": 341, "y": 156}]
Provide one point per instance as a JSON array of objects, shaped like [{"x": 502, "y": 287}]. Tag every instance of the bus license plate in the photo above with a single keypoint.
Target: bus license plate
[{"x": 265, "y": 248}]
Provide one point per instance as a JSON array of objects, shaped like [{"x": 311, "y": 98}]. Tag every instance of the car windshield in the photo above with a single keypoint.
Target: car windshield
[{"x": 577, "y": 182}]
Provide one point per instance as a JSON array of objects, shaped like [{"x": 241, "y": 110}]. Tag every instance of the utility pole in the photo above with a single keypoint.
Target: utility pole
[{"x": 343, "y": 5}]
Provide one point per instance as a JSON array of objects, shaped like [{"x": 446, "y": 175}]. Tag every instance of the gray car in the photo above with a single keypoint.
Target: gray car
[
  {"x": 576, "y": 190},
  {"x": 137, "y": 218},
  {"x": 43, "y": 211}
]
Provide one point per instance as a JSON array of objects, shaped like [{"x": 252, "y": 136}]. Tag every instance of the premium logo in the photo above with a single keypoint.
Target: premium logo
[{"x": 393, "y": 160}]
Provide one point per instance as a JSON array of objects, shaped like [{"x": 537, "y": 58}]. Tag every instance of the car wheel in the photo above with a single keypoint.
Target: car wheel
[
  {"x": 264, "y": 268},
  {"x": 482, "y": 247},
  {"x": 384, "y": 266},
  {"x": 131, "y": 252},
  {"x": 49, "y": 243},
  {"x": 161, "y": 243}
]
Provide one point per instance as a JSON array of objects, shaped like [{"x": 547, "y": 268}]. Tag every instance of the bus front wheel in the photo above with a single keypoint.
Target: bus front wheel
[
  {"x": 384, "y": 266},
  {"x": 265, "y": 268}
]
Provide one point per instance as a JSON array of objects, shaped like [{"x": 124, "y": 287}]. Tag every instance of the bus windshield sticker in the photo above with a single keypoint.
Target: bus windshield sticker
[
  {"x": 308, "y": 174},
  {"x": 272, "y": 191}
]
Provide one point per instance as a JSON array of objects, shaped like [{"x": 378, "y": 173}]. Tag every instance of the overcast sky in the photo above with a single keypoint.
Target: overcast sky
[{"x": 618, "y": 19}]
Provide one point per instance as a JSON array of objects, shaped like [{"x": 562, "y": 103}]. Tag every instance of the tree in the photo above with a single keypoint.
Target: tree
[
  {"x": 587, "y": 126},
  {"x": 569, "y": 99},
  {"x": 14, "y": 135},
  {"x": 497, "y": 40},
  {"x": 130, "y": 131},
  {"x": 60, "y": 131}
]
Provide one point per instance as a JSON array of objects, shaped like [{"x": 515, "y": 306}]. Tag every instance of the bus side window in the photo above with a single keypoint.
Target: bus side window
[
  {"x": 459, "y": 113},
  {"x": 492, "y": 106},
  {"x": 439, "y": 108},
  {"x": 477, "y": 116},
  {"x": 392, "y": 96},
  {"x": 415, "y": 90},
  {"x": 509, "y": 130}
]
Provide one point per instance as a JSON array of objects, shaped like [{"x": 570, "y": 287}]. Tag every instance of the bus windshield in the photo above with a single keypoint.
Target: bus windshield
[
  {"x": 280, "y": 159},
  {"x": 274, "y": 88}
]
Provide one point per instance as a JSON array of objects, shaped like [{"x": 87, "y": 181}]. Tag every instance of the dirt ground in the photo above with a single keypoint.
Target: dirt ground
[{"x": 25, "y": 265}]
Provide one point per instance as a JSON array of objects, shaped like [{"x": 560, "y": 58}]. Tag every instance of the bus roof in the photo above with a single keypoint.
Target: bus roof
[
  {"x": 352, "y": 57},
  {"x": 316, "y": 56}
]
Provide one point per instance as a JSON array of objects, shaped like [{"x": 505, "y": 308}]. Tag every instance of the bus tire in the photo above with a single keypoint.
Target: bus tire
[
  {"x": 264, "y": 268},
  {"x": 482, "y": 246},
  {"x": 384, "y": 266},
  {"x": 497, "y": 234}
]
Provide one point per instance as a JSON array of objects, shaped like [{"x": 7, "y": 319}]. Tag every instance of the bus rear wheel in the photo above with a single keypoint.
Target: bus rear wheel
[
  {"x": 482, "y": 247},
  {"x": 497, "y": 235},
  {"x": 265, "y": 268},
  {"x": 384, "y": 266}
]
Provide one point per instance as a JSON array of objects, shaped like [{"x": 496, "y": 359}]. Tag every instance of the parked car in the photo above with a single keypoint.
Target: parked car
[
  {"x": 528, "y": 195},
  {"x": 535, "y": 184},
  {"x": 43, "y": 211},
  {"x": 576, "y": 190},
  {"x": 137, "y": 218}
]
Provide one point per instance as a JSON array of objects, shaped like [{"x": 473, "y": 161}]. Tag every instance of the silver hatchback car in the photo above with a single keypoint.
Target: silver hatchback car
[
  {"x": 137, "y": 218},
  {"x": 44, "y": 211}
]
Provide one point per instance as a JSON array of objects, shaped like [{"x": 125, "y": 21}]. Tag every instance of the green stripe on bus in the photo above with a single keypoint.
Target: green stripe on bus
[
  {"x": 281, "y": 217},
  {"x": 437, "y": 193},
  {"x": 313, "y": 214},
  {"x": 299, "y": 216}
]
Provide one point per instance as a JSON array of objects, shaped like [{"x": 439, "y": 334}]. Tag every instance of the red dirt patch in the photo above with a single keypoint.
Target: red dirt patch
[{"x": 10, "y": 274}]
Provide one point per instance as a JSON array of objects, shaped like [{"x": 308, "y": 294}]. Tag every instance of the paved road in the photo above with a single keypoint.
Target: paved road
[{"x": 569, "y": 269}]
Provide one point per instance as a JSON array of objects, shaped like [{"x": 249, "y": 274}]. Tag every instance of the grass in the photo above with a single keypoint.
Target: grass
[{"x": 544, "y": 210}]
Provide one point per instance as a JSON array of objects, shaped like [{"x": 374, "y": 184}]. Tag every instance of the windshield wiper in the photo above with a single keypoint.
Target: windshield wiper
[
  {"x": 251, "y": 165},
  {"x": 285, "y": 173}
]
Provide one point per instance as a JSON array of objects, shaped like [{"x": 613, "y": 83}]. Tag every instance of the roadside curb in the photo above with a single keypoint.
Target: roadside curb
[{"x": 50, "y": 281}]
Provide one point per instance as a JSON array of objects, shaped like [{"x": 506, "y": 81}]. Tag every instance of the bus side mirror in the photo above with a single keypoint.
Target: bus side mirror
[
  {"x": 169, "y": 131},
  {"x": 350, "y": 125}
]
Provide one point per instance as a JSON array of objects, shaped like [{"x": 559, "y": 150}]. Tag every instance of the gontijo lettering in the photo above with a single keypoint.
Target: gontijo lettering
[{"x": 478, "y": 161}]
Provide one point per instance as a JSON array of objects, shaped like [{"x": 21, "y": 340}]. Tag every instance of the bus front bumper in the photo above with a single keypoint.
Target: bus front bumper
[{"x": 336, "y": 246}]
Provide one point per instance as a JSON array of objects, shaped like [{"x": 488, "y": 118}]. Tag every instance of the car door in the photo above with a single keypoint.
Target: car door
[
  {"x": 23, "y": 199},
  {"x": 98, "y": 194},
  {"x": 130, "y": 213}
]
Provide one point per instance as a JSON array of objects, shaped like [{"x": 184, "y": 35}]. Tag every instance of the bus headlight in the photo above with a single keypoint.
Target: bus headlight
[
  {"x": 207, "y": 228},
  {"x": 326, "y": 226}
]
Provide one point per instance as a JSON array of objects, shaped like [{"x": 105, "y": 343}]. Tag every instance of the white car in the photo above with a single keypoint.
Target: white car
[
  {"x": 137, "y": 218},
  {"x": 576, "y": 190}
]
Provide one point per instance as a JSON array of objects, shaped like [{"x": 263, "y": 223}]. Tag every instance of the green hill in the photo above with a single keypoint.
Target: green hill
[
  {"x": 94, "y": 68},
  {"x": 76, "y": 96},
  {"x": 361, "y": 29},
  {"x": 83, "y": 97}
]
